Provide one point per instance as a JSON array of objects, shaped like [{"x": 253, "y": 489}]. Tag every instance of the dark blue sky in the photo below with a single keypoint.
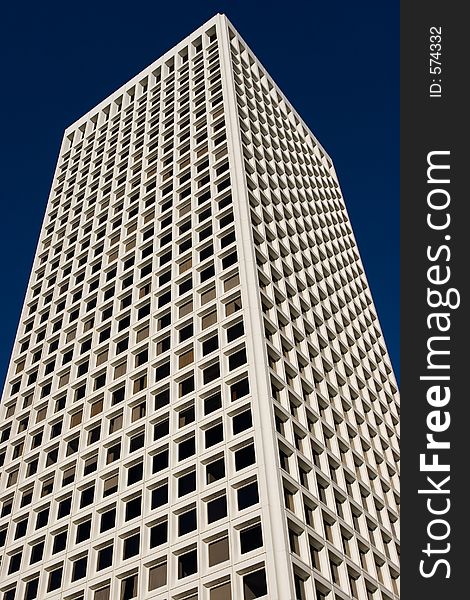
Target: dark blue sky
[{"x": 337, "y": 62}]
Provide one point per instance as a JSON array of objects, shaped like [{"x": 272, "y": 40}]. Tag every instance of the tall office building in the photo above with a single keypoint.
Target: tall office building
[{"x": 199, "y": 404}]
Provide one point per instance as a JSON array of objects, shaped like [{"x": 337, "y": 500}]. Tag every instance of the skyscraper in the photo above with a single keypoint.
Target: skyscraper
[{"x": 199, "y": 403}]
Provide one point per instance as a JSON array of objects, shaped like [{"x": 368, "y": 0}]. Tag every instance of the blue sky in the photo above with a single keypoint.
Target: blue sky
[{"x": 337, "y": 62}]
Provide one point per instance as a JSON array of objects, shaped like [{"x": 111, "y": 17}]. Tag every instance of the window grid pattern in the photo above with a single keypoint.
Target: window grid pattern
[
  {"x": 130, "y": 430},
  {"x": 333, "y": 390},
  {"x": 128, "y": 458}
]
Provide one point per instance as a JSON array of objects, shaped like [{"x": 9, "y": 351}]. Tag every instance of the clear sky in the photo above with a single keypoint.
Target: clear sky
[{"x": 337, "y": 62}]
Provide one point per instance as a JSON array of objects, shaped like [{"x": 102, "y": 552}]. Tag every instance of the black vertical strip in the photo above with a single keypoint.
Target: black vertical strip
[{"x": 434, "y": 119}]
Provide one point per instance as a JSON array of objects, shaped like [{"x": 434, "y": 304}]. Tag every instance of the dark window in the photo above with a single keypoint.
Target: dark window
[
  {"x": 162, "y": 399},
  {"x": 187, "y": 522},
  {"x": 211, "y": 373},
  {"x": 87, "y": 496},
  {"x": 79, "y": 568},
  {"x": 187, "y": 564},
  {"x": 244, "y": 457},
  {"x": 105, "y": 558},
  {"x": 235, "y": 331},
  {"x": 63, "y": 510},
  {"x": 60, "y": 541},
  {"x": 237, "y": 359},
  {"x": 160, "y": 461},
  {"x": 215, "y": 470},
  {"x": 186, "y": 448},
  {"x": 210, "y": 345},
  {"x": 214, "y": 435},
  {"x": 83, "y": 531},
  {"x": 239, "y": 389},
  {"x": 212, "y": 403},
  {"x": 186, "y": 483},
  {"x": 160, "y": 496},
  {"x": 129, "y": 588},
  {"x": 251, "y": 538},
  {"x": 242, "y": 421},
  {"x": 31, "y": 589},
  {"x": 159, "y": 534},
  {"x": 55, "y": 579},
  {"x": 37, "y": 552},
  {"x": 135, "y": 473},
  {"x": 131, "y": 546},
  {"x": 247, "y": 495},
  {"x": 254, "y": 585},
  {"x": 161, "y": 429},
  {"x": 108, "y": 520},
  {"x": 216, "y": 509},
  {"x": 137, "y": 442},
  {"x": 133, "y": 508}
]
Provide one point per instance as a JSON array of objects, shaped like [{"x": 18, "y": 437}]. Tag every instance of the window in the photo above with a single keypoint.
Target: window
[
  {"x": 129, "y": 587},
  {"x": 157, "y": 576},
  {"x": 187, "y": 564},
  {"x": 131, "y": 546},
  {"x": 159, "y": 534},
  {"x": 251, "y": 538},
  {"x": 105, "y": 558},
  {"x": 83, "y": 531},
  {"x": 242, "y": 421},
  {"x": 216, "y": 509},
  {"x": 55, "y": 579},
  {"x": 186, "y": 448},
  {"x": 79, "y": 568},
  {"x": 215, "y": 470},
  {"x": 218, "y": 551},
  {"x": 244, "y": 457},
  {"x": 221, "y": 592},
  {"x": 254, "y": 585},
  {"x": 160, "y": 495},
  {"x": 247, "y": 495},
  {"x": 239, "y": 389}
]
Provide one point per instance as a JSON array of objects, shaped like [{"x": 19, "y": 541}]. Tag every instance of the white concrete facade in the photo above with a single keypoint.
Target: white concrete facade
[{"x": 199, "y": 404}]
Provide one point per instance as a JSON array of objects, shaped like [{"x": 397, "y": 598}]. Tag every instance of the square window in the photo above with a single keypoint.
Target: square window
[
  {"x": 215, "y": 470},
  {"x": 247, "y": 495},
  {"x": 105, "y": 558},
  {"x": 242, "y": 421},
  {"x": 135, "y": 473},
  {"x": 251, "y": 538},
  {"x": 187, "y": 448},
  {"x": 186, "y": 416},
  {"x": 160, "y": 461},
  {"x": 108, "y": 520},
  {"x": 131, "y": 546},
  {"x": 216, "y": 509},
  {"x": 218, "y": 551},
  {"x": 55, "y": 579},
  {"x": 187, "y": 522},
  {"x": 159, "y": 534},
  {"x": 221, "y": 592},
  {"x": 79, "y": 568},
  {"x": 212, "y": 403},
  {"x": 245, "y": 457},
  {"x": 254, "y": 585},
  {"x": 83, "y": 531},
  {"x": 187, "y": 564},
  {"x": 186, "y": 483},
  {"x": 133, "y": 508},
  {"x": 160, "y": 496},
  {"x": 129, "y": 587},
  {"x": 157, "y": 576}
]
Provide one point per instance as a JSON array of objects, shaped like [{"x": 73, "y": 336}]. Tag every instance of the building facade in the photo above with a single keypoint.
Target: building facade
[{"x": 199, "y": 404}]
